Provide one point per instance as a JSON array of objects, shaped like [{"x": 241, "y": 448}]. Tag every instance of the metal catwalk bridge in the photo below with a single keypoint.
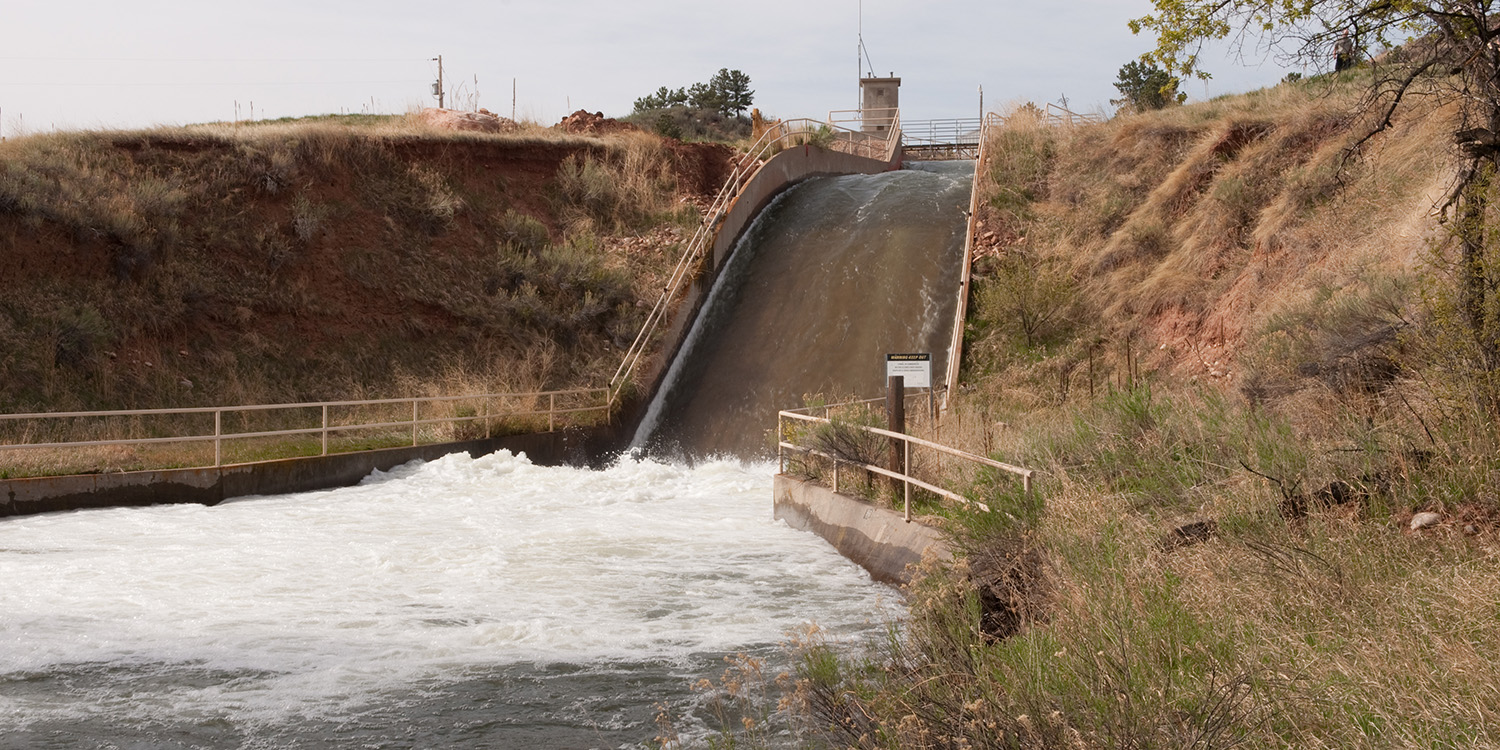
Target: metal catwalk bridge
[{"x": 958, "y": 138}]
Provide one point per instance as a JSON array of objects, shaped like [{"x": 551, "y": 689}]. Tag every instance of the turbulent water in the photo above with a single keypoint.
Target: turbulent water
[
  {"x": 832, "y": 276},
  {"x": 458, "y": 603}
]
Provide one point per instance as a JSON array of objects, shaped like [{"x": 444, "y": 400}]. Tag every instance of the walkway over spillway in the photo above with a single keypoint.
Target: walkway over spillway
[{"x": 958, "y": 138}]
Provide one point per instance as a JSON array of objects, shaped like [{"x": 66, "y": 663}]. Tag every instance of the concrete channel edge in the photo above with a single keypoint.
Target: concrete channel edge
[
  {"x": 212, "y": 485},
  {"x": 878, "y": 539}
]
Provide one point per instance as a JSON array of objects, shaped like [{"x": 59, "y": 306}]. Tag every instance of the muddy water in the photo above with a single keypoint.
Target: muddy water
[
  {"x": 464, "y": 603},
  {"x": 833, "y": 275}
]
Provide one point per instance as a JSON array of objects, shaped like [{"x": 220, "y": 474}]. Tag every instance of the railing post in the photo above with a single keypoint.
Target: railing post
[
  {"x": 486, "y": 417},
  {"x": 552, "y": 412},
  {"x": 218, "y": 439},
  {"x": 906, "y": 479},
  {"x": 325, "y": 429},
  {"x": 835, "y": 475},
  {"x": 413, "y": 422},
  {"x": 780, "y": 449}
]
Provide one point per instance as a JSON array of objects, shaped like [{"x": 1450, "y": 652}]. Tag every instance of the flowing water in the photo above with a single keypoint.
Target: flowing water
[
  {"x": 836, "y": 273},
  {"x": 459, "y": 603},
  {"x": 469, "y": 603}
]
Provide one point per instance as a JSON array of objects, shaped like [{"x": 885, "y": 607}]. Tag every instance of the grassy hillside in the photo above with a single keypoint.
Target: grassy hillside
[
  {"x": 329, "y": 259},
  {"x": 1230, "y": 346}
]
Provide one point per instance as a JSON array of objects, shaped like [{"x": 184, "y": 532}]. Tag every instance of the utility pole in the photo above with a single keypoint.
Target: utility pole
[{"x": 437, "y": 88}]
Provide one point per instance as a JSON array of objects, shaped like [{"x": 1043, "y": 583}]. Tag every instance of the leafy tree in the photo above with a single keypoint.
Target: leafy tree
[
  {"x": 734, "y": 91},
  {"x": 1453, "y": 52},
  {"x": 703, "y": 96},
  {"x": 662, "y": 99},
  {"x": 726, "y": 92},
  {"x": 1144, "y": 87}
]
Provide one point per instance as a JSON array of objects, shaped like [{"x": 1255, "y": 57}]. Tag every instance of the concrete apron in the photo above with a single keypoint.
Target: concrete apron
[
  {"x": 210, "y": 486},
  {"x": 880, "y": 540}
]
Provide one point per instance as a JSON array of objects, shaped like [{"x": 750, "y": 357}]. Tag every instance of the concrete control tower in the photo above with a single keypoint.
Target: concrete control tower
[{"x": 879, "y": 98}]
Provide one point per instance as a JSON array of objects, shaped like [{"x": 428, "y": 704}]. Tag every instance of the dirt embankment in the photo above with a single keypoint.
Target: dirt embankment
[{"x": 172, "y": 268}]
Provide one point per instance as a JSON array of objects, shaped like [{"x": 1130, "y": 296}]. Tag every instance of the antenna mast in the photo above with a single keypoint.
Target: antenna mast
[{"x": 862, "y": 56}]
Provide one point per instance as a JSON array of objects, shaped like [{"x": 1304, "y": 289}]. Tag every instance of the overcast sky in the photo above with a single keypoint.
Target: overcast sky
[{"x": 71, "y": 64}]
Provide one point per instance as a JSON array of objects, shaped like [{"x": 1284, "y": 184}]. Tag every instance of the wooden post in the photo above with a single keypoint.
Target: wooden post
[{"x": 895, "y": 414}]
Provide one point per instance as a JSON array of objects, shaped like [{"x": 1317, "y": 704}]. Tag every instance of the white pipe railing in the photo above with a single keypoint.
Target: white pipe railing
[
  {"x": 964, "y": 131},
  {"x": 784, "y": 443},
  {"x": 1056, "y": 115},
  {"x": 327, "y": 427}
]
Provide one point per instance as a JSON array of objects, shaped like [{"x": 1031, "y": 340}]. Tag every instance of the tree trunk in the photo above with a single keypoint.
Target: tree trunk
[{"x": 1476, "y": 287}]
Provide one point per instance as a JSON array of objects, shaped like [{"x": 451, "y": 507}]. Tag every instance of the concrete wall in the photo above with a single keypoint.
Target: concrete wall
[
  {"x": 779, "y": 173},
  {"x": 210, "y": 486},
  {"x": 880, "y": 540}
]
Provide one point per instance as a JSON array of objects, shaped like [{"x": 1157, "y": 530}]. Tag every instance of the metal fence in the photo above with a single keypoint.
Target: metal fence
[
  {"x": 787, "y": 441},
  {"x": 1056, "y": 115},
  {"x": 964, "y": 131},
  {"x": 397, "y": 420}
]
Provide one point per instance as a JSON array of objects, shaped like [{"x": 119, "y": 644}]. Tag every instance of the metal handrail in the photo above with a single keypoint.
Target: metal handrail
[
  {"x": 878, "y": 117},
  {"x": 774, "y": 139},
  {"x": 961, "y": 131},
  {"x": 1056, "y": 115},
  {"x": 219, "y": 435},
  {"x": 908, "y": 481},
  {"x": 965, "y": 286}
]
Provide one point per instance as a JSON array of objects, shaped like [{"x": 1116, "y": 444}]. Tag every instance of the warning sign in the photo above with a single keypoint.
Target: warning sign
[{"x": 915, "y": 368}]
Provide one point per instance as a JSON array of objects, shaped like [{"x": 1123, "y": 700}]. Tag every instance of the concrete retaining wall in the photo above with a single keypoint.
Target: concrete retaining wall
[
  {"x": 210, "y": 486},
  {"x": 880, "y": 540},
  {"x": 779, "y": 173}
]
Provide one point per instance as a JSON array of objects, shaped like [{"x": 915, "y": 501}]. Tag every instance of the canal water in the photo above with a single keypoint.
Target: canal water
[{"x": 461, "y": 603}]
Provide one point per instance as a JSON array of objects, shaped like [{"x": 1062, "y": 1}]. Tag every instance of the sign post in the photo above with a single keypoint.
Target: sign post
[{"x": 895, "y": 421}]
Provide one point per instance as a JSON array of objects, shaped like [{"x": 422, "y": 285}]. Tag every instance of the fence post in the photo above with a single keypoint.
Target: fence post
[
  {"x": 486, "y": 417},
  {"x": 413, "y": 422},
  {"x": 780, "y": 450},
  {"x": 906, "y": 470},
  {"x": 552, "y": 412},
  {"x": 325, "y": 429},
  {"x": 218, "y": 432}
]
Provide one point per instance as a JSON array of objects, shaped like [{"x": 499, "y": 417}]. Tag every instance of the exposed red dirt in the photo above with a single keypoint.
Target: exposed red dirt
[
  {"x": 247, "y": 283},
  {"x": 584, "y": 122}
]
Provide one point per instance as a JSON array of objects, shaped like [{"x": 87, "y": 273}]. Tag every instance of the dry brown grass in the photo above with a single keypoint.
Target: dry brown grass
[
  {"x": 1255, "y": 345},
  {"x": 305, "y": 261}
]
